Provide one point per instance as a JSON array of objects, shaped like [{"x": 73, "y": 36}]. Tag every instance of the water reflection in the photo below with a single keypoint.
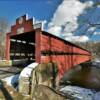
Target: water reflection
[{"x": 86, "y": 75}]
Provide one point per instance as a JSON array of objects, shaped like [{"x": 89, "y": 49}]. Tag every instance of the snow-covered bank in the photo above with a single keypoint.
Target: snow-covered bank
[
  {"x": 96, "y": 63},
  {"x": 78, "y": 93},
  {"x": 12, "y": 80}
]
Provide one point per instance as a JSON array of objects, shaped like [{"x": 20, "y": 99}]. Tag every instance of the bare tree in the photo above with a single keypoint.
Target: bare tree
[{"x": 3, "y": 31}]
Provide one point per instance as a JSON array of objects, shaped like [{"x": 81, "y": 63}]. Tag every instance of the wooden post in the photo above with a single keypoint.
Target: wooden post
[
  {"x": 38, "y": 45},
  {"x": 15, "y": 49},
  {"x": 8, "y": 47}
]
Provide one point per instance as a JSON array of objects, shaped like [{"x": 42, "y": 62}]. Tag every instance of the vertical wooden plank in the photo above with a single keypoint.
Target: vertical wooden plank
[
  {"x": 38, "y": 45},
  {"x": 26, "y": 47},
  {"x": 15, "y": 49},
  {"x": 8, "y": 47}
]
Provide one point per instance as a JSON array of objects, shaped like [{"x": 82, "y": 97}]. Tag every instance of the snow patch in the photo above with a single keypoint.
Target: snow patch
[
  {"x": 12, "y": 79},
  {"x": 79, "y": 93},
  {"x": 96, "y": 63},
  {"x": 26, "y": 72},
  {"x": 97, "y": 96}
]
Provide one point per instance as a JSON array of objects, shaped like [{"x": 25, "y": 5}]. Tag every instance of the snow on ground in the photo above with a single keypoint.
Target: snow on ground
[
  {"x": 97, "y": 96},
  {"x": 79, "y": 93},
  {"x": 97, "y": 60},
  {"x": 12, "y": 80},
  {"x": 26, "y": 72},
  {"x": 96, "y": 63}
]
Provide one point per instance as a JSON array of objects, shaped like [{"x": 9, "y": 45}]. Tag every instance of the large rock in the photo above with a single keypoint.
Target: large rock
[
  {"x": 9, "y": 93},
  {"x": 24, "y": 79},
  {"x": 24, "y": 85},
  {"x": 45, "y": 74},
  {"x": 41, "y": 92}
]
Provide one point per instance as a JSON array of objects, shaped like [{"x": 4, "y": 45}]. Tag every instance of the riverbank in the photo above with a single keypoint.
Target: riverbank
[{"x": 79, "y": 83}]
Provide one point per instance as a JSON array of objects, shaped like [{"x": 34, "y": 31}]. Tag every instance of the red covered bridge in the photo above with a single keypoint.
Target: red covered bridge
[{"x": 27, "y": 40}]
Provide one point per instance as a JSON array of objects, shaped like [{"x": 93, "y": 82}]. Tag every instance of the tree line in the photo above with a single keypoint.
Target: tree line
[{"x": 93, "y": 47}]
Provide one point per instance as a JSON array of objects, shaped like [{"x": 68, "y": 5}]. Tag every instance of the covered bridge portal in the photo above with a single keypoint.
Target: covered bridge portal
[
  {"x": 22, "y": 46},
  {"x": 28, "y": 41}
]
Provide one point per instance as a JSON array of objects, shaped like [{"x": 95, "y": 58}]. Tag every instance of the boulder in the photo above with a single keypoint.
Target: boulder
[
  {"x": 9, "y": 93},
  {"x": 45, "y": 74},
  {"x": 24, "y": 79},
  {"x": 41, "y": 92}
]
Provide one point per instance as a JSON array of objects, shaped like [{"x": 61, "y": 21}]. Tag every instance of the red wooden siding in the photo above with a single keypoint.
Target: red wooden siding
[
  {"x": 47, "y": 47},
  {"x": 66, "y": 55}
]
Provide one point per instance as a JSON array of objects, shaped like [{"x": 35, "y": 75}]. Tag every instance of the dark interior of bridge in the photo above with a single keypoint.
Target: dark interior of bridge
[{"x": 22, "y": 46}]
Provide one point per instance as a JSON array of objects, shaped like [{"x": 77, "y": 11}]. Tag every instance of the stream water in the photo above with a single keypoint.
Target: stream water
[
  {"x": 82, "y": 82},
  {"x": 87, "y": 76}
]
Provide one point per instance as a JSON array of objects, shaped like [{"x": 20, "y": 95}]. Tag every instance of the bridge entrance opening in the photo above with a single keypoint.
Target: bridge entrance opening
[{"x": 22, "y": 46}]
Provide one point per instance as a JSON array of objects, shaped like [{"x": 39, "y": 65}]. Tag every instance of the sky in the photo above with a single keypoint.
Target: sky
[
  {"x": 40, "y": 9},
  {"x": 63, "y": 17}
]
